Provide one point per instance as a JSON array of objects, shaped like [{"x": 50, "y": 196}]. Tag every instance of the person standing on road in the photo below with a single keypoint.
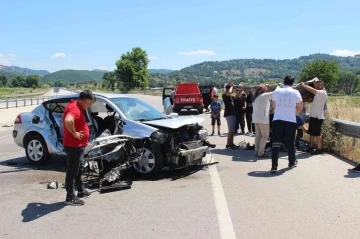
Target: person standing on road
[
  {"x": 214, "y": 91},
  {"x": 249, "y": 112},
  {"x": 260, "y": 118},
  {"x": 76, "y": 137},
  {"x": 287, "y": 103},
  {"x": 240, "y": 106},
  {"x": 229, "y": 114},
  {"x": 317, "y": 115},
  {"x": 215, "y": 108}
]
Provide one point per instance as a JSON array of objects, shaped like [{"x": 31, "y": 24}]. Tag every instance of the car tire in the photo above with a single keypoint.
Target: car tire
[
  {"x": 201, "y": 111},
  {"x": 36, "y": 150},
  {"x": 151, "y": 161}
]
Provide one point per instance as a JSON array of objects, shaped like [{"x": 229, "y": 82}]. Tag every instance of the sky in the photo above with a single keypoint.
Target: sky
[{"x": 56, "y": 35}]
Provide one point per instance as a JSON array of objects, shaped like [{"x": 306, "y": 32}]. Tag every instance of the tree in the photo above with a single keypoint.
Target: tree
[
  {"x": 132, "y": 69},
  {"x": 18, "y": 81},
  {"x": 3, "y": 81},
  {"x": 327, "y": 71},
  {"x": 110, "y": 78},
  {"x": 32, "y": 81},
  {"x": 348, "y": 82}
]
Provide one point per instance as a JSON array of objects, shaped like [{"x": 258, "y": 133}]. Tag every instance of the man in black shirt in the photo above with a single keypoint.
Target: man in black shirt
[
  {"x": 229, "y": 114},
  {"x": 249, "y": 111},
  {"x": 240, "y": 106}
]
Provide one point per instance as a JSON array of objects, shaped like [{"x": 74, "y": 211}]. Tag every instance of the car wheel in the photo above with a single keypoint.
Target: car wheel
[
  {"x": 201, "y": 111},
  {"x": 151, "y": 160},
  {"x": 36, "y": 150}
]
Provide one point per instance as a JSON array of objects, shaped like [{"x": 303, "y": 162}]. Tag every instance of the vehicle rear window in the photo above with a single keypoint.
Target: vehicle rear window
[{"x": 187, "y": 88}]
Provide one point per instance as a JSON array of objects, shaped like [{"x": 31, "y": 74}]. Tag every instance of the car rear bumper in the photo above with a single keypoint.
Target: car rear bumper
[
  {"x": 18, "y": 136},
  {"x": 187, "y": 106}
]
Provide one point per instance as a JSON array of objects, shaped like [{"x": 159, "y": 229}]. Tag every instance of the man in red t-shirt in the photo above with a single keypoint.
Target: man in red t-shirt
[{"x": 76, "y": 137}]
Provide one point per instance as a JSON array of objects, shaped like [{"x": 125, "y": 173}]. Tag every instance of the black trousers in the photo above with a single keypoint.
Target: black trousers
[
  {"x": 250, "y": 125},
  {"x": 240, "y": 121},
  {"x": 271, "y": 117},
  {"x": 75, "y": 168},
  {"x": 280, "y": 129}
]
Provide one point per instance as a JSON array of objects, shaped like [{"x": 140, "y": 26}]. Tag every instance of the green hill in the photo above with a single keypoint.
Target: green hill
[
  {"x": 74, "y": 76},
  {"x": 258, "y": 69},
  {"x": 22, "y": 71}
]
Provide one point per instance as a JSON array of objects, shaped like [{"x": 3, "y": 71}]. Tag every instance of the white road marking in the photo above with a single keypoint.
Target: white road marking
[
  {"x": 5, "y": 136},
  {"x": 223, "y": 215}
]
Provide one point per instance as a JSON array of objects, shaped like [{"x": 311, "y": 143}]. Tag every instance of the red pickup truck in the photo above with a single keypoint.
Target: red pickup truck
[{"x": 188, "y": 96}]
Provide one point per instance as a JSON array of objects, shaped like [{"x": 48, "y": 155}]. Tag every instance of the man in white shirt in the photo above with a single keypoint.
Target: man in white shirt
[
  {"x": 317, "y": 115},
  {"x": 214, "y": 91},
  {"x": 287, "y": 103}
]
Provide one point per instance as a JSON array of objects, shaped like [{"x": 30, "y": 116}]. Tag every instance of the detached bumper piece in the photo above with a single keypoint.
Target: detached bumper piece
[{"x": 193, "y": 152}]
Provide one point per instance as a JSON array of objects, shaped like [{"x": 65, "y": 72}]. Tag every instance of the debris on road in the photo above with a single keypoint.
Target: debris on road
[{"x": 53, "y": 185}]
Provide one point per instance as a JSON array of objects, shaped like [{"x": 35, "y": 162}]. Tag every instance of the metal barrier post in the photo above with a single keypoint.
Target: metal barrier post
[
  {"x": 31, "y": 101},
  {"x": 37, "y": 100},
  {"x": 16, "y": 103},
  {"x": 24, "y": 102},
  {"x": 355, "y": 141},
  {"x": 7, "y": 104}
]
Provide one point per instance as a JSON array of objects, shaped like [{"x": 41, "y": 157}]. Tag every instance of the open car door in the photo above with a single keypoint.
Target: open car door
[
  {"x": 167, "y": 92},
  {"x": 205, "y": 92}
]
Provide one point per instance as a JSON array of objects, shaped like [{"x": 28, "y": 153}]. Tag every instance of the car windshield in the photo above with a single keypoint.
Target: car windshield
[{"x": 136, "y": 109}]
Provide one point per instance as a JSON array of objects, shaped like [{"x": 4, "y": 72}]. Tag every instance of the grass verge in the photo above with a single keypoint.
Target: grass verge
[{"x": 21, "y": 92}]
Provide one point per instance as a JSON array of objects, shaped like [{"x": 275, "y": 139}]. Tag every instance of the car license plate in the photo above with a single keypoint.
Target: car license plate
[{"x": 188, "y": 106}]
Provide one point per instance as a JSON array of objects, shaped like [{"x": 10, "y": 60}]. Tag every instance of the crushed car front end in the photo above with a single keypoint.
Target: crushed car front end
[{"x": 183, "y": 146}]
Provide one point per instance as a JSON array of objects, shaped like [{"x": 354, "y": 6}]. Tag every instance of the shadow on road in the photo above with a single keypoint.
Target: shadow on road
[
  {"x": 56, "y": 163},
  {"x": 267, "y": 174},
  {"x": 35, "y": 211},
  {"x": 352, "y": 174},
  {"x": 188, "y": 112}
]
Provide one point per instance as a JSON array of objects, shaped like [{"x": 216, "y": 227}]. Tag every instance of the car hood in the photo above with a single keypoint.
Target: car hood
[{"x": 174, "y": 123}]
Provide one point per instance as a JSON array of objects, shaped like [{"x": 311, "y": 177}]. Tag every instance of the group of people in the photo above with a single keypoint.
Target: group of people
[{"x": 275, "y": 118}]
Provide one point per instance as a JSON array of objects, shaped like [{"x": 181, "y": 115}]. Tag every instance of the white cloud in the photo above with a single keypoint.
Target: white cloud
[
  {"x": 58, "y": 55},
  {"x": 197, "y": 53},
  {"x": 252, "y": 38},
  {"x": 103, "y": 68},
  {"x": 6, "y": 60},
  {"x": 11, "y": 55},
  {"x": 345, "y": 53},
  {"x": 151, "y": 58}
]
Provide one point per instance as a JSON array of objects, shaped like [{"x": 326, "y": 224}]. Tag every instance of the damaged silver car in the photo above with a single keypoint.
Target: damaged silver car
[{"x": 165, "y": 140}]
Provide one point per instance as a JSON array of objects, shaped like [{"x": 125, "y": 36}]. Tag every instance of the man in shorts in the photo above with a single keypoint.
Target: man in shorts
[
  {"x": 229, "y": 115},
  {"x": 317, "y": 115}
]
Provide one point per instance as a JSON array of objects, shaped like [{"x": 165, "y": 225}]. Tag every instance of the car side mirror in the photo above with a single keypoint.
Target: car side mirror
[
  {"x": 35, "y": 119},
  {"x": 173, "y": 115}
]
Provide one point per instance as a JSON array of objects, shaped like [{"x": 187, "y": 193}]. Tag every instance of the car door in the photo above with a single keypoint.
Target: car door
[
  {"x": 167, "y": 92},
  {"x": 206, "y": 94}
]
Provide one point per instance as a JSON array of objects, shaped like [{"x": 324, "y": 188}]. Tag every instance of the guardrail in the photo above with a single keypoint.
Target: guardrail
[{"x": 15, "y": 103}]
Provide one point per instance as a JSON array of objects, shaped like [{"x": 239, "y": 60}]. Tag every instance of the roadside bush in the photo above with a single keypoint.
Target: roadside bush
[{"x": 331, "y": 140}]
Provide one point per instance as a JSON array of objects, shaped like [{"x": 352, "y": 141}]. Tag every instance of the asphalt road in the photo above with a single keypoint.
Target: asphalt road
[{"x": 236, "y": 198}]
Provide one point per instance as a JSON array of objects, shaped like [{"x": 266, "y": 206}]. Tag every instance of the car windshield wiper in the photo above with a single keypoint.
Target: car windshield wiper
[{"x": 142, "y": 120}]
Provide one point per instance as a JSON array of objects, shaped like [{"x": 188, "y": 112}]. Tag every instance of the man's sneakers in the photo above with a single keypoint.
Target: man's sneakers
[
  {"x": 74, "y": 201},
  {"x": 231, "y": 146},
  {"x": 84, "y": 194},
  {"x": 317, "y": 152},
  {"x": 356, "y": 169},
  {"x": 273, "y": 170},
  {"x": 294, "y": 164}
]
